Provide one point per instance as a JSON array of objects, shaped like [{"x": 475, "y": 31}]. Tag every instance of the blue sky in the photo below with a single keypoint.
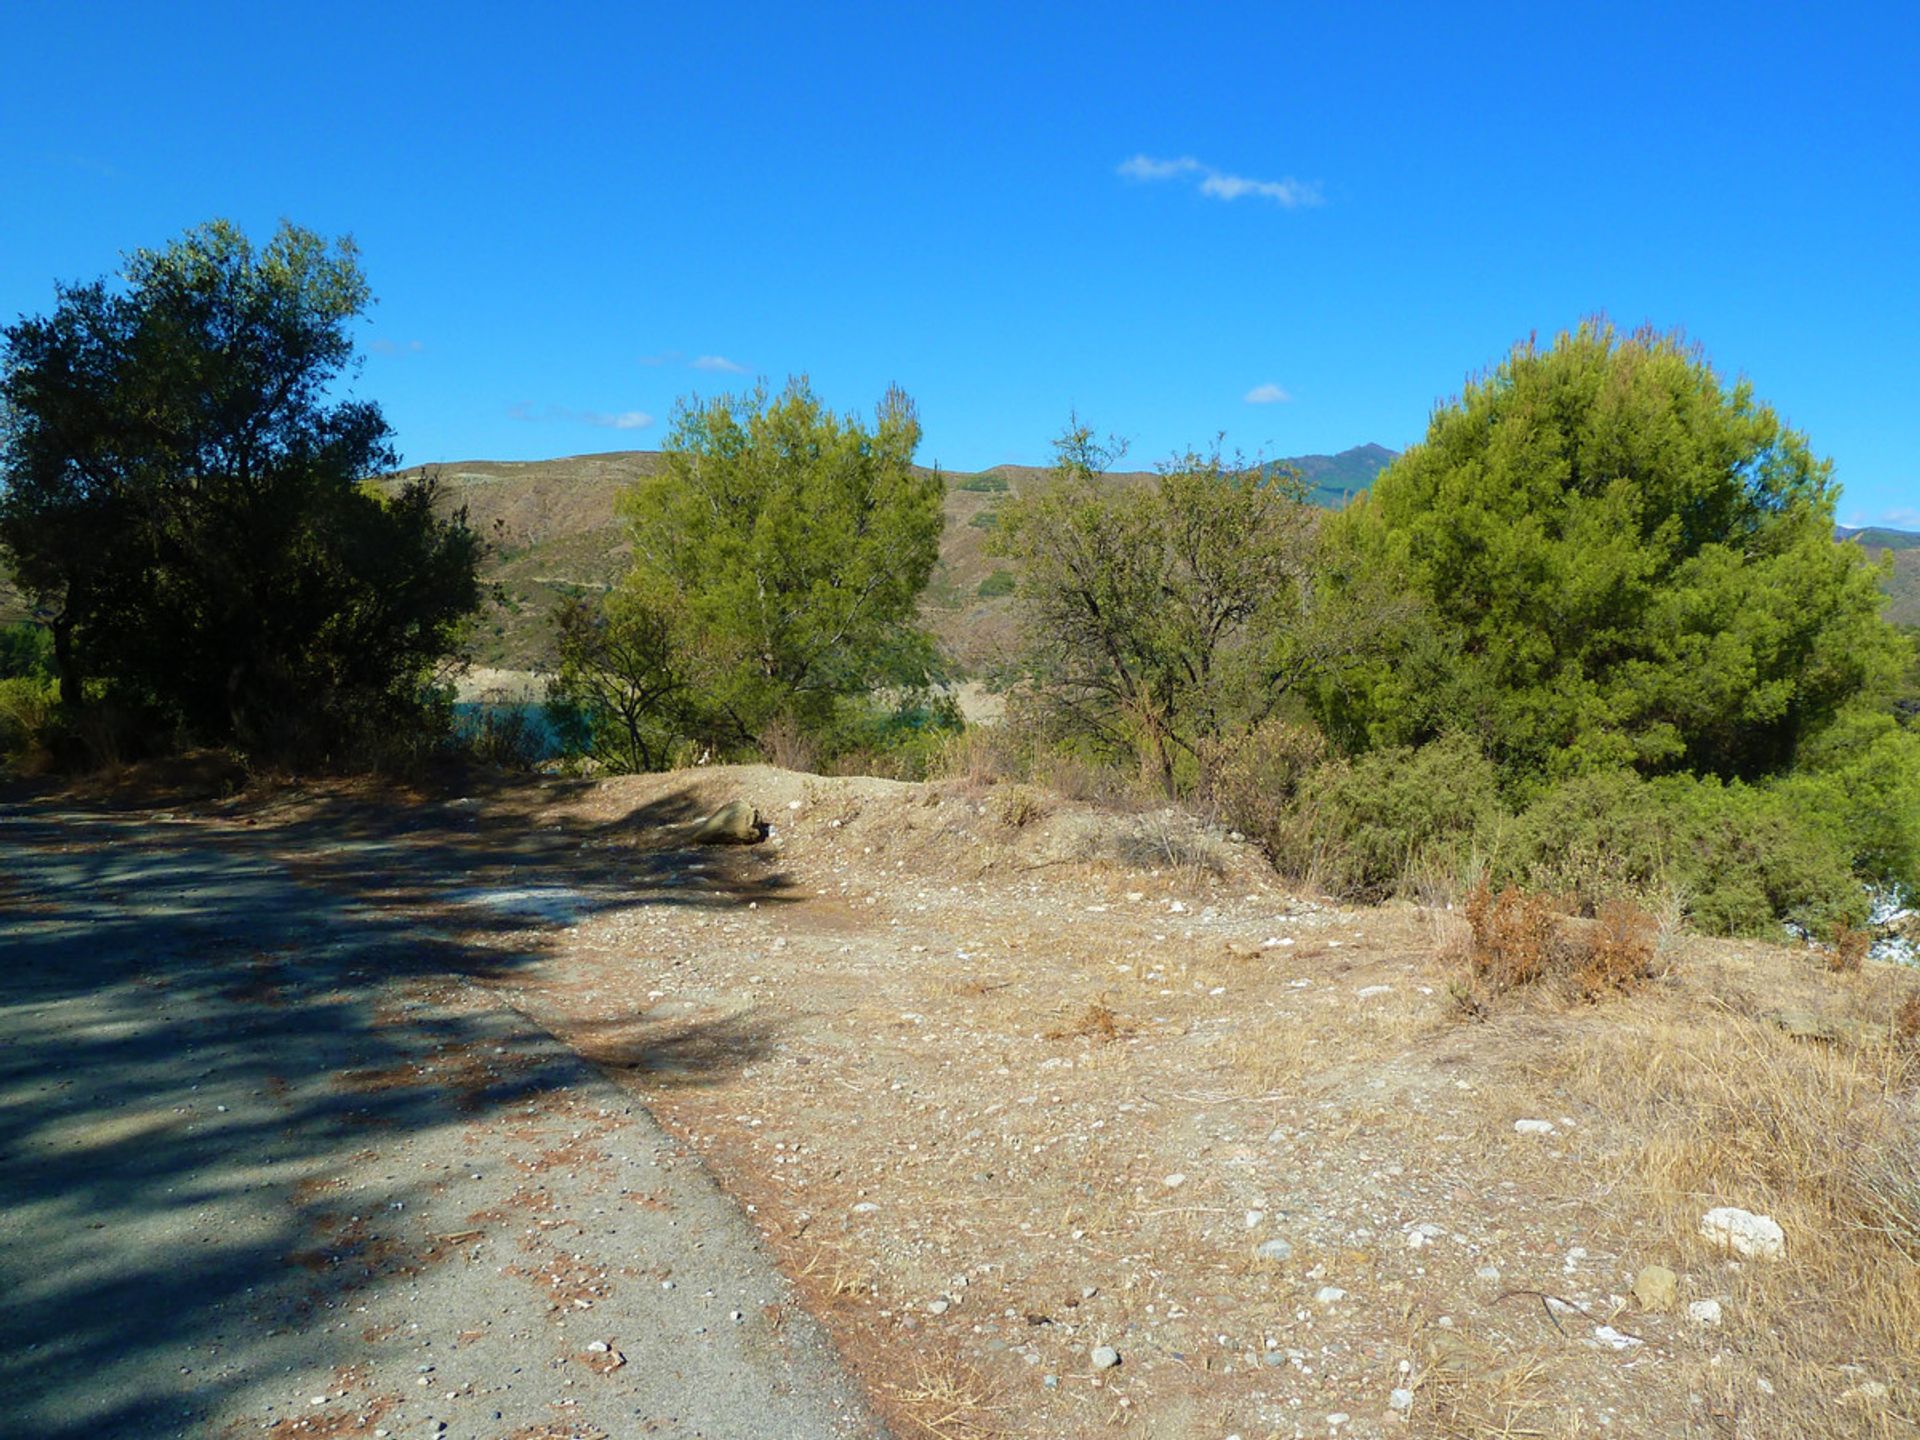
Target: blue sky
[{"x": 1302, "y": 226}]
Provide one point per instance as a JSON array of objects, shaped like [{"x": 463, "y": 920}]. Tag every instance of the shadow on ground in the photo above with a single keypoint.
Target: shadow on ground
[{"x": 203, "y": 1024}]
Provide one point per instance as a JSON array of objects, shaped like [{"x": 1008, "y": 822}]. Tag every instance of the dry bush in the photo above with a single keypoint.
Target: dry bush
[
  {"x": 1512, "y": 936},
  {"x": 1850, "y": 947},
  {"x": 786, "y": 745},
  {"x": 1520, "y": 938},
  {"x": 1906, "y": 1020},
  {"x": 1618, "y": 950},
  {"x": 1016, "y": 806}
]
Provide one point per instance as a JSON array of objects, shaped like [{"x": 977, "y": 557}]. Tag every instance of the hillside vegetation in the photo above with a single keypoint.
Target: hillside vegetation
[{"x": 555, "y": 533}]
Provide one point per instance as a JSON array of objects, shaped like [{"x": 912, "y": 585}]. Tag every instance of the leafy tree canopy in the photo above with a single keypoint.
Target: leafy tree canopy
[
  {"x": 1622, "y": 562},
  {"x": 182, "y": 493},
  {"x": 787, "y": 547},
  {"x": 1163, "y": 618}
]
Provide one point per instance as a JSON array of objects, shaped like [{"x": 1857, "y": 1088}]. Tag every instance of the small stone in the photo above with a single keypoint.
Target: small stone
[
  {"x": 1087, "y": 1292},
  {"x": 1741, "y": 1231},
  {"x": 1274, "y": 1249},
  {"x": 1338, "y": 1417},
  {"x": 1254, "y": 1217},
  {"x": 1704, "y": 1312},
  {"x": 1367, "y": 992},
  {"x": 937, "y": 1307},
  {"x": 1401, "y": 1400},
  {"x": 1328, "y": 1294},
  {"x": 1489, "y": 1272},
  {"x": 1613, "y": 1339},
  {"x": 865, "y": 1207},
  {"x": 1052, "y": 1382},
  {"x": 1105, "y": 1357},
  {"x": 1656, "y": 1288},
  {"x": 598, "y": 1347},
  {"x": 1274, "y": 1359},
  {"x": 1533, "y": 1127}
]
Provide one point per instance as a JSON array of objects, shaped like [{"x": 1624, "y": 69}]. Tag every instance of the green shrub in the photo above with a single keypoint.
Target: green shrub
[
  {"x": 27, "y": 717},
  {"x": 1000, "y": 582},
  {"x": 26, "y": 649},
  {"x": 985, "y": 520},
  {"x": 1739, "y": 859},
  {"x": 1397, "y": 820},
  {"x": 990, "y": 484}
]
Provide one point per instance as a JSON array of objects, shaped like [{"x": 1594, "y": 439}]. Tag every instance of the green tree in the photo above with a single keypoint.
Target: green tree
[
  {"x": 1160, "y": 618},
  {"x": 1621, "y": 561},
  {"x": 621, "y": 688},
  {"x": 181, "y": 492},
  {"x": 787, "y": 548}
]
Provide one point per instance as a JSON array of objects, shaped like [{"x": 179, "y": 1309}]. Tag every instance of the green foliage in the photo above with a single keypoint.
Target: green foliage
[
  {"x": 622, "y": 692},
  {"x": 1159, "y": 619},
  {"x": 986, "y": 520},
  {"x": 989, "y": 483},
  {"x": 1000, "y": 582},
  {"x": 185, "y": 498},
  {"x": 1398, "y": 819},
  {"x": 1622, "y": 562},
  {"x": 26, "y": 650},
  {"x": 784, "y": 548}
]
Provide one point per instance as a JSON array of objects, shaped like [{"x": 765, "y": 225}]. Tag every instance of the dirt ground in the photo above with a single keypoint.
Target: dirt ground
[{"x": 1014, "y": 1087}]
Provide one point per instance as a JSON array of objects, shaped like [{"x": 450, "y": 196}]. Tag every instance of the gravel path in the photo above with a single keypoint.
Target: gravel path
[{"x": 272, "y": 1162}]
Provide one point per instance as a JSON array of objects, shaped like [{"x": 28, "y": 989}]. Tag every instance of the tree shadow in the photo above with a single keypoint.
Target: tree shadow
[{"x": 200, "y": 1033}]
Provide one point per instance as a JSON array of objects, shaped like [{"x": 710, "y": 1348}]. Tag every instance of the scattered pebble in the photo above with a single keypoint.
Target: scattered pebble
[
  {"x": 1105, "y": 1357},
  {"x": 1533, "y": 1127},
  {"x": 1175, "y": 1180},
  {"x": 1401, "y": 1400},
  {"x": 1327, "y": 1294},
  {"x": 1613, "y": 1339},
  {"x": 937, "y": 1307}
]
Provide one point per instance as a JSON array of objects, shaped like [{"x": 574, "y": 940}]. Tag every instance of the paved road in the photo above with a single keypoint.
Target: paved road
[{"x": 276, "y": 1161}]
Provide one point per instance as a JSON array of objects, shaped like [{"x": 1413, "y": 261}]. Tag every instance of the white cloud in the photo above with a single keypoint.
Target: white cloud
[
  {"x": 1288, "y": 193},
  {"x": 1145, "y": 167},
  {"x": 1268, "y": 394},
  {"x": 1903, "y": 518},
  {"x": 603, "y": 420},
  {"x": 718, "y": 362},
  {"x": 625, "y": 420}
]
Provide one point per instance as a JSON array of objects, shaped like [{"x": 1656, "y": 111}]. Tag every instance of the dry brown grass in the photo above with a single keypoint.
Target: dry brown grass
[
  {"x": 1721, "y": 1110},
  {"x": 1096, "y": 1022},
  {"x": 950, "y": 1400},
  {"x": 1849, "y": 949}
]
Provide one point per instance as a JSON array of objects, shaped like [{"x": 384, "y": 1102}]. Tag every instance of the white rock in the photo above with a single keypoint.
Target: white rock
[
  {"x": 1613, "y": 1339},
  {"x": 937, "y": 1307},
  {"x": 1367, "y": 992},
  {"x": 1254, "y": 1217},
  {"x": 1175, "y": 1180},
  {"x": 1704, "y": 1312},
  {"x": 1274, "y": 1249},
  {"x": 1871, "y": 1393},
  {"x": 1327, "y": 1294},
  {"x": 1400, "y": 1400},
  {"x": 1105, "y": 1357},
  {"x": 865, "y": 1207},
  {"x": 1755, "y": 1236},
  {"x": 1533, "y": 1127}
]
